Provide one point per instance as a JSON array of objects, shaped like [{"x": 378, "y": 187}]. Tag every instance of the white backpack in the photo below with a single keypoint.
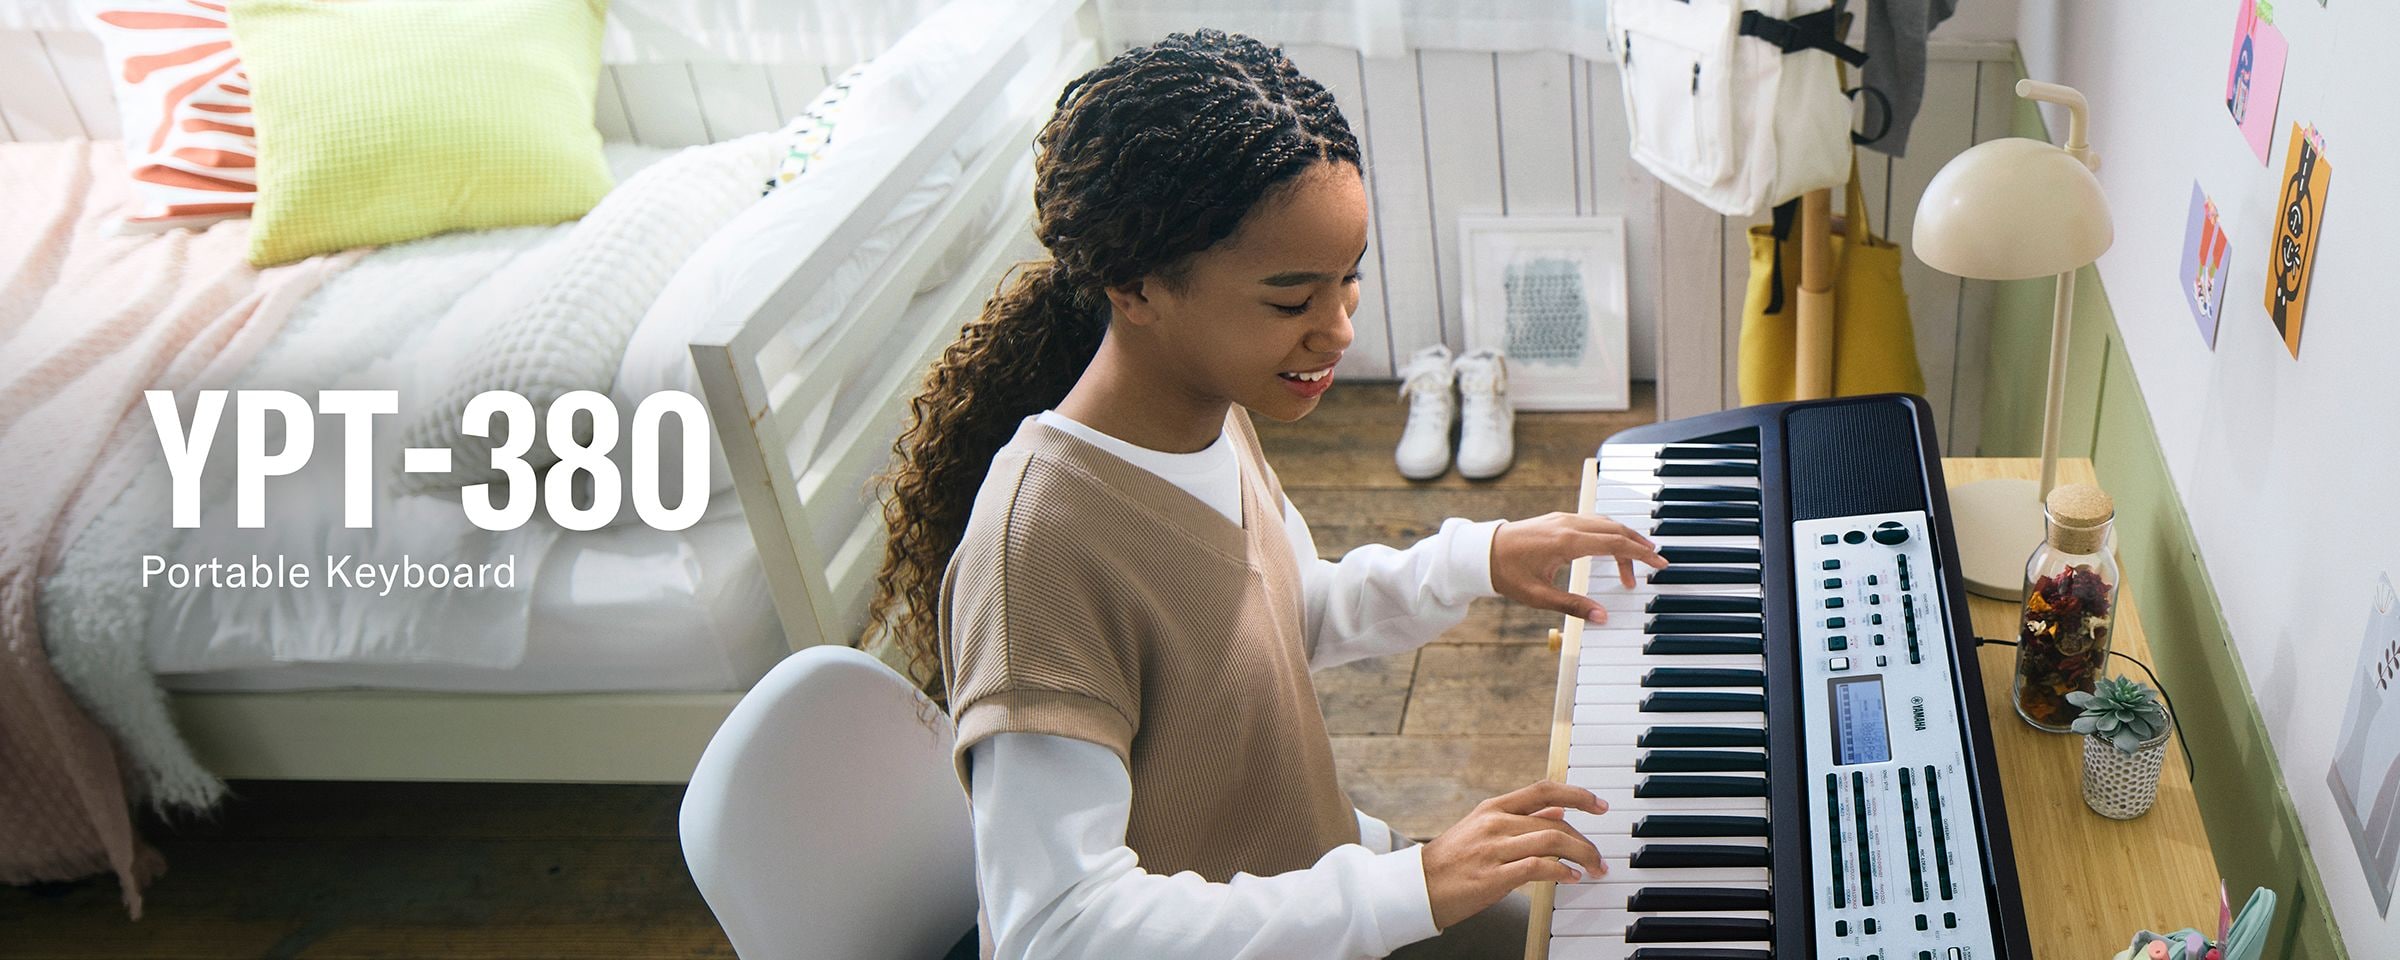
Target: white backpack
[{"x": 1735, "y": 102}]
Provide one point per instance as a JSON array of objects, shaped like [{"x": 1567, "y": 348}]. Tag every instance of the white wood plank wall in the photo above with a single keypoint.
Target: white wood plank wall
[{"x": 1446, "y": 134}]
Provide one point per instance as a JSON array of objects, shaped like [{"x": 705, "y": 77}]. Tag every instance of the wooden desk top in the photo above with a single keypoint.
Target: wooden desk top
[{"x": 2089, "y": 882}]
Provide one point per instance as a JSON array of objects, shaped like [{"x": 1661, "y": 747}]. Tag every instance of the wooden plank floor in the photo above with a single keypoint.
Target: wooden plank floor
[
  {"x": 1422, "y": 737},
  {"x": 387, "y": 870}
]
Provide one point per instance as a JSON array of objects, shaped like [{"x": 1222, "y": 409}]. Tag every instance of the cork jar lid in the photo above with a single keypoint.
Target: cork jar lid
[{"x": 2079, "y": 516}]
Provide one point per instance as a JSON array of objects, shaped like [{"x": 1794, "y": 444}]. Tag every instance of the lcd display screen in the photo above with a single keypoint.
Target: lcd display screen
[{"x": 1859, "y": 734}]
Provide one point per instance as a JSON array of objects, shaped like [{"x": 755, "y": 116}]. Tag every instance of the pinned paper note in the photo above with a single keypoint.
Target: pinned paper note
[
  {"x": 2299, "y": 218},
  {"x": 2366, "y": 758},
  {"x": 2204, "y": 258},
  {"x": 2254, "y": 80}
]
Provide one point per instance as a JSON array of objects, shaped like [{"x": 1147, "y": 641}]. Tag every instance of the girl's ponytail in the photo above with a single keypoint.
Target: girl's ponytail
[{"x": 1019, "y": 358}]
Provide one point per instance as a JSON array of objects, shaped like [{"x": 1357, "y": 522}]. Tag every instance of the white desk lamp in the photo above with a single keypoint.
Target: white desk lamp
[{"x": 2014, "y": 209}]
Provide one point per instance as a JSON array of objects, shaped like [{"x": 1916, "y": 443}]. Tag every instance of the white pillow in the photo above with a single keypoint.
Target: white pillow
[
  {"x": 754, "y": 252},
  {"x": 571, "y": 333}
]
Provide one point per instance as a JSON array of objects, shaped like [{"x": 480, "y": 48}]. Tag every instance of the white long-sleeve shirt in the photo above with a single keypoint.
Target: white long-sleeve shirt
[{"x": 1050, "y": 812}]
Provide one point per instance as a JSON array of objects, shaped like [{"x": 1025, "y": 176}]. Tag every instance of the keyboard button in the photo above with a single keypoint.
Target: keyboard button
[{"x": 1689, "y": 787}]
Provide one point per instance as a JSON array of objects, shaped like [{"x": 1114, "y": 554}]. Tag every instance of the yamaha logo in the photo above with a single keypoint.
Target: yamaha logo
[{"x": 1916, "y": 706}]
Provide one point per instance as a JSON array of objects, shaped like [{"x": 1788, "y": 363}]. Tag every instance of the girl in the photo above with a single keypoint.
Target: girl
[{"x": 1094, "y": 568}]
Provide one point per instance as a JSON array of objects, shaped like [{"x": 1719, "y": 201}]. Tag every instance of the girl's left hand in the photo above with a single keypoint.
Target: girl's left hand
[{"x": 1527, "y": 555}]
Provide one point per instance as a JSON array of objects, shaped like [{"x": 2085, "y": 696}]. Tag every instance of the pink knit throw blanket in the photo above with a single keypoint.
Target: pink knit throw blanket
[{"x": 87, "y": 322}]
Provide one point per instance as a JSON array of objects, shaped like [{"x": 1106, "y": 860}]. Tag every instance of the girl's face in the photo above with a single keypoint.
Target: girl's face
[{"x": 1261, "y": 318}]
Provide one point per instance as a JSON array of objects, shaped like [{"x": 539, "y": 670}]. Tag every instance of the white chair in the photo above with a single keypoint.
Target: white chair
[{"x": 825, "y": 820}]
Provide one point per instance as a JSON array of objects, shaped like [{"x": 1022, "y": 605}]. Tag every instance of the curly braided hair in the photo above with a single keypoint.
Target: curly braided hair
[{"x": 1150, "y": 158}]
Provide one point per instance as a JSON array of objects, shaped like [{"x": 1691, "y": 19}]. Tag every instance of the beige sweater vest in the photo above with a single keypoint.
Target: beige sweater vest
[{"x": 1093, "y": 599}]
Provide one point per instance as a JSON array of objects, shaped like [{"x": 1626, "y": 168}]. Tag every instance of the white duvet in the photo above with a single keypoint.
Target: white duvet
[{"x": 366, "y": 328}]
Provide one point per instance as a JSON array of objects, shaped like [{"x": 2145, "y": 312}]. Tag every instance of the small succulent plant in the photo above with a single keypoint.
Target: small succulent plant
[{"x": 2120, "y": 709}]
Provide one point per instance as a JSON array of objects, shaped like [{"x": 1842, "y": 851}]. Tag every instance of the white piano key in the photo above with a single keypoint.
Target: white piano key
[
  {"x": 1632, "y": 693},
  {"x": 1614, "y": 947},
  {"x": 1629, "y": 728},
  {"x": 1589, "y": 713},
  {"x": 1606, "y": 892},
  {"x": 1621, "y": 665},
  {"x": 1625, "y": 754},
  {"x": 1624, "y": 479},
  {"x": 1605, "y": 584},
  {"x": 1578, "y": 921},
  {"x": 1619, "y": 872}
]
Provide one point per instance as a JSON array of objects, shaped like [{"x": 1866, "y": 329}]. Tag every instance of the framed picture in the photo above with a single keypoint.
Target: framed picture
[{"x": 1550, "y": 293}]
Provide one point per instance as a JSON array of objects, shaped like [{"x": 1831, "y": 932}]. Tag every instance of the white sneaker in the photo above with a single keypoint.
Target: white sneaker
[
  {"x": 1487, "y": 433},
  {"x": 1424, "y": 451}
]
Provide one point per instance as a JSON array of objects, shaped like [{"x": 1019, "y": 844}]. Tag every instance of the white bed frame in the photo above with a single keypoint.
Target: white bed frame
[{"x": 805, "y": 491}]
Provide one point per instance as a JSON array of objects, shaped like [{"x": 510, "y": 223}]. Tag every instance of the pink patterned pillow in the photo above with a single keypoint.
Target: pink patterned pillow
[{"x": 185, "y": 105}]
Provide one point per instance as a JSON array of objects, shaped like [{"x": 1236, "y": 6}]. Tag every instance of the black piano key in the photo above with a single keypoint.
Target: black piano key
[
  {"x": 1701, "y": 761},
  {"x": 1700, "y": 603},
  {"x": 1704, "y": 677},
  {"x": 1700, "y": 929},
  {"x": 1686, "y": 554},
  {"x": 1699, "y": 953},
  {"x": 1706, "y": 491},
  {"x": 1708, "y": 451},
  {"x": 1657, "y": 856},
  {"x": 1688, "y": 574},
  {"x": 1705, "y": 528},
  {"x": 1680, "y": 645},
  {"x": 1705, "y": 623},
  {"x": 1701, "y": 737},
  {"x": 1699, "y": 825},
  {"x": 1719, "y": 510},
  {"x": 1708, "y": 468},
  {"x": 1678, "y": 786},
  {"x": 1701, "y": 899},
  {"x": 1703, "y": 701}
]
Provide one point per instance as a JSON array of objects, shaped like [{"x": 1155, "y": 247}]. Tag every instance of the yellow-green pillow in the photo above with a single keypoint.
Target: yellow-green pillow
[{"x": 387, "y": 120}]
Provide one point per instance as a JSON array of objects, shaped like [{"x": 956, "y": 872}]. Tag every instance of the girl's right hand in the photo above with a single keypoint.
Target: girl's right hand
[{"x": 1506, "y": 842}]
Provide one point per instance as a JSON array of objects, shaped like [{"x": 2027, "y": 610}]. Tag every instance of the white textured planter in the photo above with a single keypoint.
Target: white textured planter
[{"x": 2120, "y": 785}]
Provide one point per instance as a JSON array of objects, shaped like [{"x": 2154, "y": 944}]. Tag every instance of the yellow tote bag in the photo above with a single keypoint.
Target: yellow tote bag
[{"x": 1874, "y": 344}]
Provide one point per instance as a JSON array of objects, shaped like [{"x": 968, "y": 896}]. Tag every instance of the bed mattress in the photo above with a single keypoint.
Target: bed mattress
[{"x": 615, "y": 609}]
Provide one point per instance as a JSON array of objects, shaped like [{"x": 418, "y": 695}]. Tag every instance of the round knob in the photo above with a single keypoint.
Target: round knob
[{"x": 1890, "y": 533}]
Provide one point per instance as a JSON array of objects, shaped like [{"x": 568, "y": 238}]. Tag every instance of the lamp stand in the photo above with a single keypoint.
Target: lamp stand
[{"x": 1999, "y": 522}]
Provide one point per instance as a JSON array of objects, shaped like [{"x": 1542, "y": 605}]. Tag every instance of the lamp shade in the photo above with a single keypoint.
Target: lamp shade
[{"x": 2011, "y": 209}]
